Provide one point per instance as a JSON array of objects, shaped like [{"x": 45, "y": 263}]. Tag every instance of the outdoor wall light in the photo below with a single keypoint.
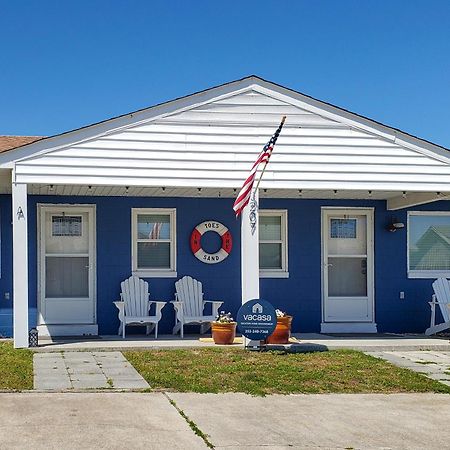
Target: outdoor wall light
[{"x": 395, "y": 225}]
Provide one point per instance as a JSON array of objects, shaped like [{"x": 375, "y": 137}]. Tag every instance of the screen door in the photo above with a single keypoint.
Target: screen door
[
  {"x": 347, "y": 265},
  {"x": 67, "y": 265}
]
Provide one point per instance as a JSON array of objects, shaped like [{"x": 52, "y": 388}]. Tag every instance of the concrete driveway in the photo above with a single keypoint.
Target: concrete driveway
[{"x": 231, "y": 421}]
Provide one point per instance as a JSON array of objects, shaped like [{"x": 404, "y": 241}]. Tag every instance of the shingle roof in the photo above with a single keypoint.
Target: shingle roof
[{"x": 9, "y": 142}]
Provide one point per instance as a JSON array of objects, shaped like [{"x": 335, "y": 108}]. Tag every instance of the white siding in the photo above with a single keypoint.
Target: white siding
[{"x": 214, "y": 145}]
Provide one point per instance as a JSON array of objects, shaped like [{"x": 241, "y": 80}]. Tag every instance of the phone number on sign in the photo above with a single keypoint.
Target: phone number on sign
[{"x": 256, "y": 331}]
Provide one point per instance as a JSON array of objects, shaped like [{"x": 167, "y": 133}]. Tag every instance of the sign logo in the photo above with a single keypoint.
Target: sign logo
[
  {"x": 257, "y": 308},
  {"x": 256, "y": 319}
]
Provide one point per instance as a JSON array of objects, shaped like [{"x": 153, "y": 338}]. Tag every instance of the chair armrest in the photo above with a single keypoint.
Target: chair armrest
[
  {"x": 438, "y": 303},
  {"x": 159, "y": 306},
  {"x": 121, "y": 307},
  {"x": 215, "y": 305},
  {"x": 178, "y": 306}
]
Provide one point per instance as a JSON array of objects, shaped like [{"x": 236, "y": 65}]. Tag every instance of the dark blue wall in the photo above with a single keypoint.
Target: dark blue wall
[{"x": 299, "y": 294}]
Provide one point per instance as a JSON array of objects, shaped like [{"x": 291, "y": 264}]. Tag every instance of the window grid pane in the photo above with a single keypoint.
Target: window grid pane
[
  {"x": 153, "y": 255},
  {"x": 153, "y": 226},
  {"x": 270, "y": 227},
  {"x": 270, "y": 256}
]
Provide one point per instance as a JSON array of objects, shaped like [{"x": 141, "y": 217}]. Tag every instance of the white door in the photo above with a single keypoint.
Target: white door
[
  {"x": 347, "y": 267},
  {"x": 67, "y": 265}
]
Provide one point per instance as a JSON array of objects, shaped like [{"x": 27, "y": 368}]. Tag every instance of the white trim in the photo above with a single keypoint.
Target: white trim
[
  {"x": 91, "y": 210},
  {"x": 284, "y": 271},
  {"x": 266, "y": 273},
  {"x": 170, "y": 272},
  {"x": 157, "y": 273},
  {"x": 423, "y": 274},
  {"x": 369, "y": 213},
  {"x": 348, "y": 327}
]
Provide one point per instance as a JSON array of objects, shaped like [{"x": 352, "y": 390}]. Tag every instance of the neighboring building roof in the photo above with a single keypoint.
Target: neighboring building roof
[
  {"x": 431, "y": 250},
  {"x": 10, "y": 142},
  {"x": 442, "y": 231}
]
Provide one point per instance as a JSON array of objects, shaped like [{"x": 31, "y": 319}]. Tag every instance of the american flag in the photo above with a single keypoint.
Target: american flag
[{"x": 244, "y": 195}]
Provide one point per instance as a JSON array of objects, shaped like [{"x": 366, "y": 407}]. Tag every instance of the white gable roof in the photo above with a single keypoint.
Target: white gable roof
[{"x": 211, "y": 139}]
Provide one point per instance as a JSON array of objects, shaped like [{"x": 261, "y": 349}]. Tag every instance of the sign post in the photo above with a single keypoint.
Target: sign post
[{"x": 256, "y": 320}]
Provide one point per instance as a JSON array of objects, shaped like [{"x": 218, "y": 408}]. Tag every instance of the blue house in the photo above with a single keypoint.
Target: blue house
[{"x": 83, "y": 210}]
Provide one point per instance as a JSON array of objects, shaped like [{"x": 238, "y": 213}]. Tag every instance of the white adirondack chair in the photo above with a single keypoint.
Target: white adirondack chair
[
  {"x": 134, "y": 307},
  {"x": 441, "y": 297},
  {"x": 189, "y": 306}
]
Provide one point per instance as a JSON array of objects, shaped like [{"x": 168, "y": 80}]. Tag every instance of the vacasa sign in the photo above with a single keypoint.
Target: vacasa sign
[{"x": 256, "y": 319}]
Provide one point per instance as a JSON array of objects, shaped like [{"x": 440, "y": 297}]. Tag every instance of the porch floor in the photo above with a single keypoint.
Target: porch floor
[{"x": 308, "y": 342}]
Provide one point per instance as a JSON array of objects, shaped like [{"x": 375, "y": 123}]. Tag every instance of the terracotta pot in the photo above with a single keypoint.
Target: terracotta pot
[
  {"x": 223, "y": 333},
  {"x": 282, "y": 331}
]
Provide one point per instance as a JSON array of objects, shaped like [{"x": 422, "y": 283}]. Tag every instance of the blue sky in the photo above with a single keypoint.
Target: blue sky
[{"x": 68, "y": 64}]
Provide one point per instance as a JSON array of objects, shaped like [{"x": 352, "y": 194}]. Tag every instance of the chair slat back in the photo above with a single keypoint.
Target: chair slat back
[
  {"x": 442, "y": 290},
  {"x": 135, "y": 296},
  {"x": 190, "y": 292}
]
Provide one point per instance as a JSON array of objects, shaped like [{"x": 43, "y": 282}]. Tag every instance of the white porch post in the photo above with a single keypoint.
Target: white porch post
[
  {"x": 249, "y": 255},
  {"x": 20, "y": 264}
]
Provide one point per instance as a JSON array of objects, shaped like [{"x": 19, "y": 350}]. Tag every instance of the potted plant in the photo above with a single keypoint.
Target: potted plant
[
  {"x": 224, "y": 329},
  {"x": 282, "y": 331}
]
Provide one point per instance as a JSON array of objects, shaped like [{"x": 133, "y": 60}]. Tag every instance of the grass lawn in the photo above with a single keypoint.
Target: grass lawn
[
  {"x": 16, "y": 368},
  {"x": 234, "y": 370}
]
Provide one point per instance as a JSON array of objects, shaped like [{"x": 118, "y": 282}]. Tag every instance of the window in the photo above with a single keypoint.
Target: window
[
  {"x": 343, "y": 228},
  {"x": 273, "y": 244},
  {"x": 428, "y": 244},
  {"x": 154, "y": 244},
  {"x": 66, "y": 226}
]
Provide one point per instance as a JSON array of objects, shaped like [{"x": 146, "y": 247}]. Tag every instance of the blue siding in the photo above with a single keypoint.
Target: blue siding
[{"x": 299, "y": 294}]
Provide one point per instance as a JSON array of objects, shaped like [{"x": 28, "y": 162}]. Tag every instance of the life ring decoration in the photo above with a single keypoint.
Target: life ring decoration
[{"x": 196, "y": 245}]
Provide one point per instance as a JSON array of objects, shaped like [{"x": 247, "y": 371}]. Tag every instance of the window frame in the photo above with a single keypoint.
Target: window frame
[
  {"x": 170, "y": 272},
  {"x": 423, "y": 274},
  {"x": 283, "y": 272}
]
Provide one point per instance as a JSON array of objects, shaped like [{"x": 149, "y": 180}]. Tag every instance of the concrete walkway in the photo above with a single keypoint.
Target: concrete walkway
[
  {"x": 433, "y": 364},
  {"x": 229, "y": 421},
  {"x": 308, "y": 342},
  {"x": 93, "y": 421},
  {"x": 84, "y": 370},
  {"x": 373, "y": 421}
]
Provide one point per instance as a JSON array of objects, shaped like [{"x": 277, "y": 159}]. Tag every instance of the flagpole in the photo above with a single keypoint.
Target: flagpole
[
  {"x": 267, "y": 161},
  {"x": 250, "y": 249}
]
